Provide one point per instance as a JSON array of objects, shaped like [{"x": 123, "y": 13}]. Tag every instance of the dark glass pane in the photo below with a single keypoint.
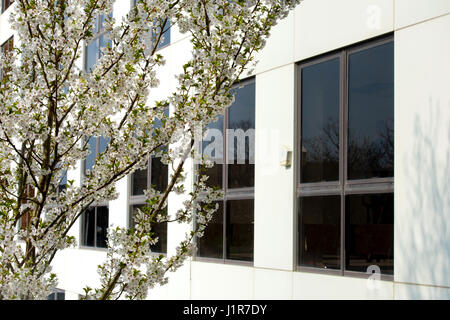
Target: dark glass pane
[
  {"x": 159, "y": 174},
  {"x": 371, "y": 113},
  {"x": 60, "y": 296},
  {"x": 89, "y": 227},
  {"x": 370, "y": 232},
  {"x": 320, "y": 232},
  {"x": 241, "y": 138},
  {"x": 212, "y": 148},
  {"x": 90, "y": 158},
  {"x": 138, "y": 182},
  {"x": 240, "y": 228},
  {"x": 102, "y": 226},
  {"x": 92, "y": 55},
  {"x": 211, "y": 244},
  {"x": 320, "y": 100},
  {"x": 51, "y": 296},
  {"x": 215, "y": 176},
  {"x": 160, "y": 232}
]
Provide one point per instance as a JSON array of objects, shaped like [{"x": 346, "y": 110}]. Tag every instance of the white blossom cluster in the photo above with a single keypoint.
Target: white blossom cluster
[{"x": 49, "y": 108}]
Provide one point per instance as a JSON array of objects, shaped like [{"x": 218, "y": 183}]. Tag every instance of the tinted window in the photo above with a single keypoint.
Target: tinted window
[
  {"x": 89, "y": 227},
  {"x": 159, "y": 231},
  {"x": 371, "y": 113},
  {"x": 102, "y": 226},
  {"x": 370, "y": 232},
  {"x": 138, "y": 182},
  {"x": 95, "y": 225},
  {"x": 159, "y": 174},
  {"x": 240, "y": 230},
  {"x": 320, "y": 100},
  {"x": 241, "y": 121},
  {"x": 211, "y": 244},
  {"x": 319, "y": 225}
]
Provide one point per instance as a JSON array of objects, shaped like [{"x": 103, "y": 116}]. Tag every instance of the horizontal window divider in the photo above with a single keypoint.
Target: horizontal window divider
[
  {"x": 238, "y": 194},
  {"x": 311, "y": 190},
  {"x": 386, "y": 187},
  {"x": 240, "y": 191},
  {"x": 137, "y": 200},
  {"x": 371, "y": 181}
]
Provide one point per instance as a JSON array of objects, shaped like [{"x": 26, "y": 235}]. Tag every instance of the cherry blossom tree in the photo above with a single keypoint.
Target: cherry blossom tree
[{"x": 49, "y": 107}]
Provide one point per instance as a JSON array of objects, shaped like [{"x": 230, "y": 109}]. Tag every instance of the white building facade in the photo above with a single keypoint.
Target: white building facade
[{"x": 350, "y": 103}]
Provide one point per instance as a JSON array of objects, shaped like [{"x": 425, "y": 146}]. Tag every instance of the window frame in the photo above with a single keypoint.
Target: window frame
[
  {"x": 97, "y": 35},
  {"x": 97, "y": 153},
  {"x": 343, "y": 187},
  {"x": 82, "y": 229},
  {"x": 242, "y": 193},
  {"x": 136, "y": 200},
  {"x": 6, "y": 47},
  {"x": 53, "y": 296},
  {"x": 5, "y": 7},
  {"x": 164, "y": 32}
]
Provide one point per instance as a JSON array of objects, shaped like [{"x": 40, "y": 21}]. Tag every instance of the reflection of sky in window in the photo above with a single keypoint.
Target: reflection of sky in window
[
  {"x": 103, "y": 142},
  {"x": 91, "y": 156},
  {"x": 63, "y": 179},
  {"x": 242, "y": 112},
  {"x": 320, "y": 97},
  {"x": 105, "y": 42},
  {"x": 212, "y": 132},
  {"x": 371, "y": 91},
  {"x": 92, "y": 50},
  {"x": 157, "y": 123},
  {"x": 166, "y": 35}
]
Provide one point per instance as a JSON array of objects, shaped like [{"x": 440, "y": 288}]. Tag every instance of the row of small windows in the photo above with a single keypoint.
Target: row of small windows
[{"x": 95, "y": 220}]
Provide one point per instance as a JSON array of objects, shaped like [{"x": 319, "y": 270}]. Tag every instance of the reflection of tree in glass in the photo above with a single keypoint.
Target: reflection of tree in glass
[
  {"x": 240, "y": 174},
  {"x": 323, "y": 147},
  {"x": 371, "y": 156},
  {"x": 368, "y": 156},
  {"x": 320, "y": 154}
]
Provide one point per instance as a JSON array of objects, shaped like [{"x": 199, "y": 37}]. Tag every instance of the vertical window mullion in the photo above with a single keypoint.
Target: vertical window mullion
[
  {"x": 224, "y": 230},
  {"x": 343, "y": 152},
  {"x": 225, "y": 151},
  {"x": 149, "y": 172},
  {"x": 225, "y": 182},
  {"x": 95, "y": 227}
]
